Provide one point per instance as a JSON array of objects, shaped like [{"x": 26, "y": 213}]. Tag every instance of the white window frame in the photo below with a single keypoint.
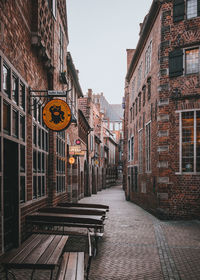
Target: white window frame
[
  {"x": 184, "y": 57},
  {"x": 180, "y": 142}
]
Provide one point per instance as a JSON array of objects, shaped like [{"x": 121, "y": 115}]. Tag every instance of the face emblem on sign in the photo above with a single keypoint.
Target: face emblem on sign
[{"x": 57, "y": 115}]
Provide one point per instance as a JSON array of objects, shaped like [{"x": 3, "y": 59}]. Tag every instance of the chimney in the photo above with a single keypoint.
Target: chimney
[
  {"x": 130, "y": 53},
  {"x": 90, "y": 92}
]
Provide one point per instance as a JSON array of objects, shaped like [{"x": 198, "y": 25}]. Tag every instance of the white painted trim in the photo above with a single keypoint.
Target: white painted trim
[{"x": 187, "y": 110}]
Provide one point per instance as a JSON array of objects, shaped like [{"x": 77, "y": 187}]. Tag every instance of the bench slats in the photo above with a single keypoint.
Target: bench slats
[
  {"x": 71, "y": 210},
  {"x": 80, "y": 266},
  {"x": 27, "y": 250},
  {"x": 63, "y": 266},
  {"x": 54, "y": 258},
  {"x": 14, "y": 253},
  {"x": 39, "y": 250},
  {"x": 70, "y": 273},
  {"x": 86, "y": 205},
  {"x": 44, "y": 258},
  {"x": 72, "y": 266}
]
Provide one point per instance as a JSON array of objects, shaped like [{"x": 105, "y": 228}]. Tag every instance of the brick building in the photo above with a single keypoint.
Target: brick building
[
  {"x": 34, "y": 169},
  {"x": 101, "y": 146},
  {"x": 112, "y": 117},
  {"x": 162, "y": 112}
]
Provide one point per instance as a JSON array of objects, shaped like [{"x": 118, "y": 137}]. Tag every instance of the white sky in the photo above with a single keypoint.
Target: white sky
[{"x": 100, "y": 31}]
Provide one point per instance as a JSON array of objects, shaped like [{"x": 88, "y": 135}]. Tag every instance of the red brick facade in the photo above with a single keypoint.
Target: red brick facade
[
  {"x": 161, "y": 173},
  {"x": 33, "y": 57}
]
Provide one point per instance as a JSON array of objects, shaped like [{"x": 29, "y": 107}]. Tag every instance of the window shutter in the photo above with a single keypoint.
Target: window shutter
[
  {"x": 176, "y": 63},
  {"x": 179, "y": 10},
  {"x": 198, "y": 7}
]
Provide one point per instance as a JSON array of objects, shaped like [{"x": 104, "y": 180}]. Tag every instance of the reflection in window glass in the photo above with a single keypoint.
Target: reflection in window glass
[
  {"x": 22, "y": 127},
  {"x": 188, "y": 141},
  {"x": 15, "y": 89},
  {"x": 22, "y": 158},
  {"x": 34, "y": 187},
  {"x": 192, "y": 61},
  {"x": 191, "y": 8},
  {"x": 22, "y": 189},
  {"x": 6, "y": 118},
  {"x": 15, "y": 123},
  {"x": 22, "y": 96},
  {"x": 6, "y": 79}
]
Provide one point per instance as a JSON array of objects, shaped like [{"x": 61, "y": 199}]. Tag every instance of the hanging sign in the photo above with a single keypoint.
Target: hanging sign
[
  {"x": 57, "y": 115},
  {"x": 71, "y": 160},
  {"x": 78, "y": 142}
]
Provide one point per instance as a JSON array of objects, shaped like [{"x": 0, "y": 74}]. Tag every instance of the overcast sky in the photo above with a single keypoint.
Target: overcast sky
[{"x": 100, "y": 31}]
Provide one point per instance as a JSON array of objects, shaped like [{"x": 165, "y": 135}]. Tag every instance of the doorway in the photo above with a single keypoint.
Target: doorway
[{"x": 10, "y": 195}]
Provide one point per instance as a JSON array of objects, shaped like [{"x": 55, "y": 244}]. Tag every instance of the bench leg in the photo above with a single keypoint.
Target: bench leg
[
  {"x": 51, "y": 277},
  {"x": 88, "y": 267},
  {"x": 32, "y": 273}
]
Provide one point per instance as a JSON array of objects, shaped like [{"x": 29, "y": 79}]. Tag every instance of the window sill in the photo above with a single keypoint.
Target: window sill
[{"x": 187, "y": 173}]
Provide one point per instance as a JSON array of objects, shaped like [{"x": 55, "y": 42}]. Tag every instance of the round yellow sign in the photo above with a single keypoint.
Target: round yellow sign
[
  {"x": 71, "y": 160},
  {"x": 57, "y": 115}
]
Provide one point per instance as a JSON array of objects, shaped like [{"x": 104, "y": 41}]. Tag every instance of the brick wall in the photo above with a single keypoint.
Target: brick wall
[{"x": 164, "y": 190}]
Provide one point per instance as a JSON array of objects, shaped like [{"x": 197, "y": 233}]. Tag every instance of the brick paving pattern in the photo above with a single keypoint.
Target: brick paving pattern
[{"x": 138, "y": 246}]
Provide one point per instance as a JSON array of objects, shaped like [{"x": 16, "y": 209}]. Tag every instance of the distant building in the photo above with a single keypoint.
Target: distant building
[
  {"x": 162, "y": 112},
  {"x": 112, "y": 118}
]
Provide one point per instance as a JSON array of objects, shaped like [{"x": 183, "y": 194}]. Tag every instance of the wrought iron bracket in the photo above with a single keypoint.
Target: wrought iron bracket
[{"x": 40, "y": 94}]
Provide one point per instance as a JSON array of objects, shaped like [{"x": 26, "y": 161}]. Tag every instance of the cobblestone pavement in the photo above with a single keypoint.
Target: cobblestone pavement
[{"x": 138, "y": 246}]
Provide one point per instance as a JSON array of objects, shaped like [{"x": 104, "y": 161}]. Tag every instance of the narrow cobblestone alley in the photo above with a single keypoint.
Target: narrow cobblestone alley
[{"x": 138, "y": 246}]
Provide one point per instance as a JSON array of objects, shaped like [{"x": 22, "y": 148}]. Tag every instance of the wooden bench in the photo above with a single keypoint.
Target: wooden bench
[
  {"x": 72, "y": 266},
  {"x": 84, "y": 205}
]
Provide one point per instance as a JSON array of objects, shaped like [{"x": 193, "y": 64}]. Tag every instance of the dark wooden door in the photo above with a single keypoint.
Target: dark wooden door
[{"x": 10, "y": 194}]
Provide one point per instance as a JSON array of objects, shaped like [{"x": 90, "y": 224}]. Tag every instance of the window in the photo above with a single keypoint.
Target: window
[
  {"x": 190, "y": 141},
  {"x": 139, "y": 97},
  {"x": 15, "y": 89},
  {"x": 148, "y": 58},
  {"x": 13, "y": 119},
  {"x": 132, "y": 148},
  {"x": 191, "y": 8},
  {"x": 148, "y": 147},
  {"x": 192, "y": 61},
  {"x": 133, "y": 87},
  {"x": 15, "y": 123},
  {"x": 144, "y": 95},
  {"x": 136, "y": 106},
  {"x": 6, "y": 79},
  {"x": 129, "y": 150},
  {"x": 131, "y": 114},
  {"x": 139, "y": 79},
  {"x": 22, "y": 96},
  {"x": 6, "y": 118},
  {"x": 61, "y": 49},
  {"x": 149, "y": 88},
  {"x": 60, "y": 162},
  {"x": 140, "y": 152},
  {"x": 40, "y": 152}
]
